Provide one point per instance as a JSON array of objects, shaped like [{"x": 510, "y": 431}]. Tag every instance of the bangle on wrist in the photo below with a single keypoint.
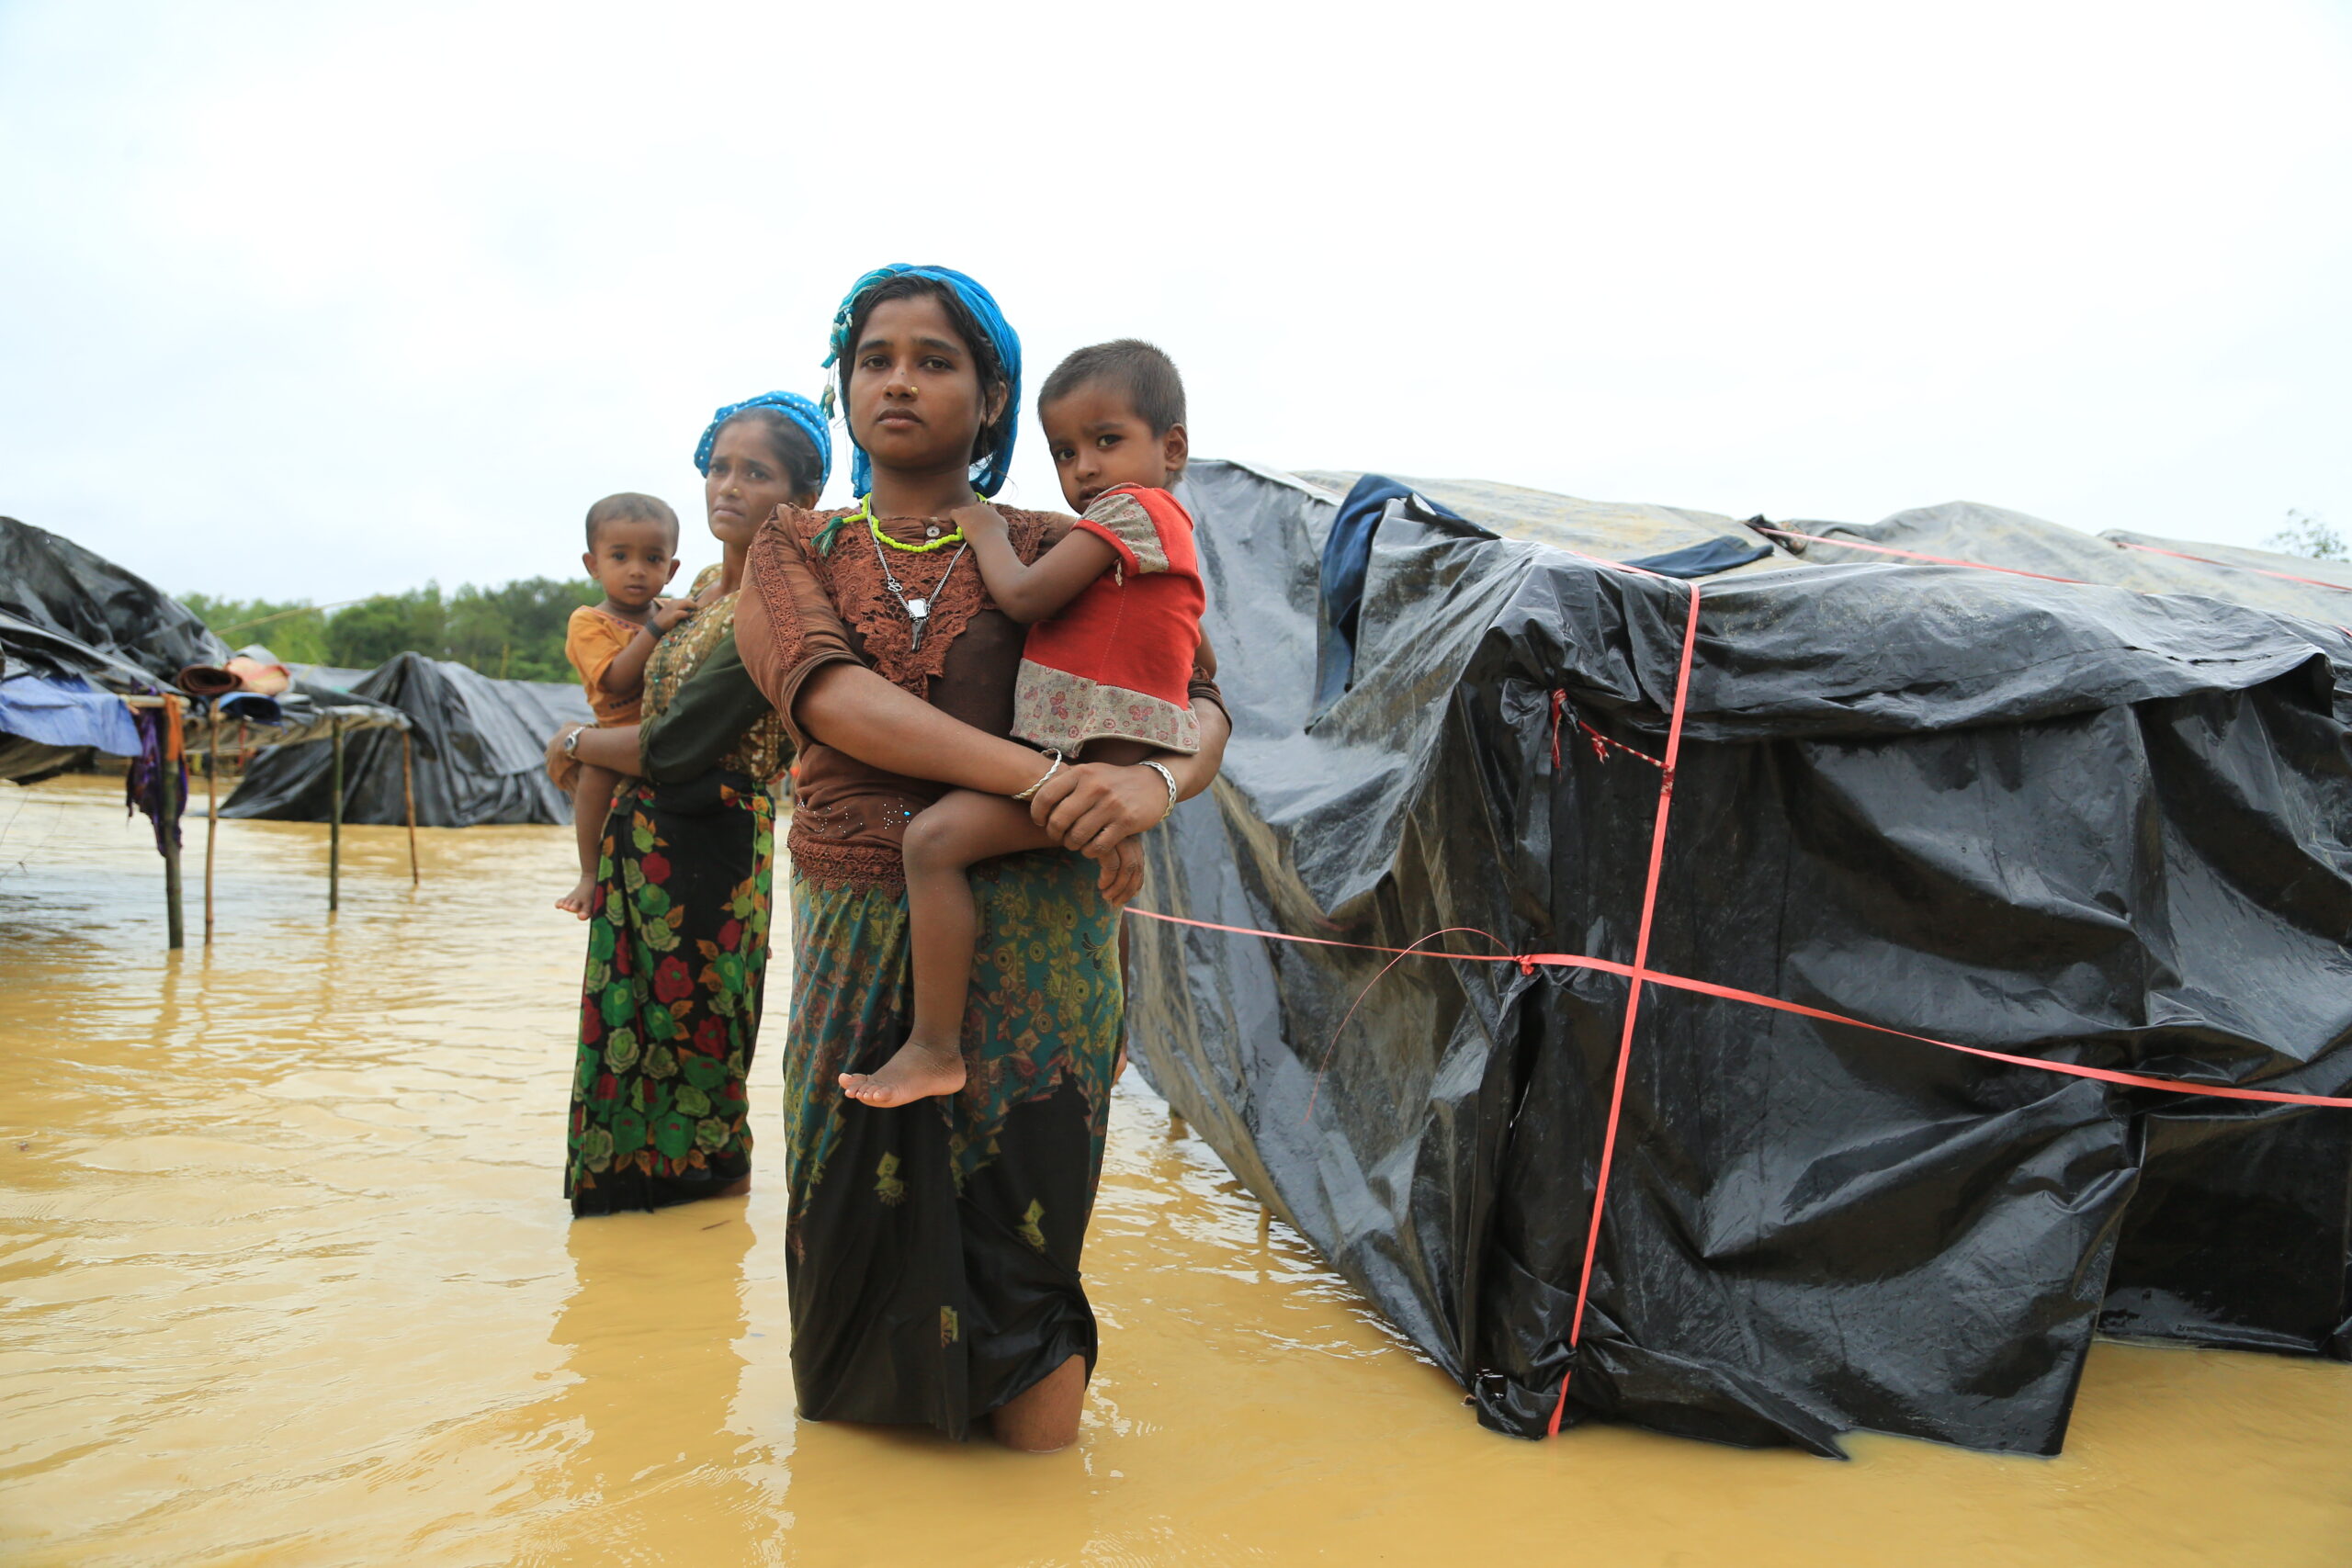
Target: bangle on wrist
[
  {"x": 1049, "y": 772},
  {"x": 1168, "y": 778},
  {"x": 571, "y": 741}
]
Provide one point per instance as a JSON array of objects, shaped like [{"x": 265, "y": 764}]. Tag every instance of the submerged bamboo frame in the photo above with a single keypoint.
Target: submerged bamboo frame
[{"x": 175, "y": 808}]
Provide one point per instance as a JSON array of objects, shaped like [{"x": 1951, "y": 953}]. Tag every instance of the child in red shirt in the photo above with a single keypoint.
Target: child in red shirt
[{"x": 1114, "y": 612}]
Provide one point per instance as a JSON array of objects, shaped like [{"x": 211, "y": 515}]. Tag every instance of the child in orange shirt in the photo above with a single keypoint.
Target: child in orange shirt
[{"x": 632, "y": 554}]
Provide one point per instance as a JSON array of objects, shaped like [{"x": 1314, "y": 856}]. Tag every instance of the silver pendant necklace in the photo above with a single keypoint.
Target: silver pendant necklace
[{"x": 919, "y": 609}]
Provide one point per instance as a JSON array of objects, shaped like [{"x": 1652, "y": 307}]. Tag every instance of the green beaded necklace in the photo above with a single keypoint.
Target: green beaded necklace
[{"x": 865, "y": 513}]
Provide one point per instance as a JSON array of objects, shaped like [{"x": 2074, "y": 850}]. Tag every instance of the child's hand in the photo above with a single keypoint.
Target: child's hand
[
  {"x": 668, "y": 613},
  {"x": 977, "y": 519}
]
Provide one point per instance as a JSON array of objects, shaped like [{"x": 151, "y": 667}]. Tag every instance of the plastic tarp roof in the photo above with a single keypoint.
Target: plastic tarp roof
[
  {"x": 63, "y": 605},
  {"x": 2146, "y": 562},
  {"x": 479, "y": 752},
  {"x": 1614, "y": 530},
  {"x": 71, "y": 615},
  {"x": 2072, "y": 823}
]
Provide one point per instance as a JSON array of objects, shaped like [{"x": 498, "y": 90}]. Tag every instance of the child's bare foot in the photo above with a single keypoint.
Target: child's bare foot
[
  {"x": 917, "y": 1072},
  {"x": 582, "y": 899}
]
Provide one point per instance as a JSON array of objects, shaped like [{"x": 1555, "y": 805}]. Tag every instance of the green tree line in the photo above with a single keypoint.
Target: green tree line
[
  {"x": 513, "y": 631},
  {"x": 2306, "y": 535}
]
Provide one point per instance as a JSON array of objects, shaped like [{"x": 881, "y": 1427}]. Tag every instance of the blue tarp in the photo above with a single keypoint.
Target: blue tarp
[{"x": 65, "y": 710}]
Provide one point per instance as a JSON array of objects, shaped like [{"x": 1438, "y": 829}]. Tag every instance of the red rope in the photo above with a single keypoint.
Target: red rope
[
  {"x": 1530, "y": 961},
  {"x": 1402, "y": 953},
  {"x": 2233, "y": 566},
  {"x": 1911, "y": 555},
  {"x": 1632, "y": 997},
  {"x": 1601, "y": 744}
]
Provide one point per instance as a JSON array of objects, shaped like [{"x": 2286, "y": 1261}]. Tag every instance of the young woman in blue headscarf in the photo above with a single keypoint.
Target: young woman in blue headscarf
[
  {"x": 678, "y": 930},
  {"x": 933, "y": 1247}
]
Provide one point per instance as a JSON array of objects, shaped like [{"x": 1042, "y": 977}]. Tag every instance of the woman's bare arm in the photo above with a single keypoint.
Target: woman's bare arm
[
  {"x": 854, "y": 710},
  {"x": 615, "y": 747}
]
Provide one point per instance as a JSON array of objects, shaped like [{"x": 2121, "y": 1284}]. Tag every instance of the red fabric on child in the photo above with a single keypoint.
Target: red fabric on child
[{"x": 1117, "y": 662}]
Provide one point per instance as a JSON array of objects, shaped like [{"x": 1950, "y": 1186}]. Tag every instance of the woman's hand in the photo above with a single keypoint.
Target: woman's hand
[
  {"x": 1093, "y": 806},
  {"x": 561, "y": 765},
  {"x": 1121, "y": 876}
]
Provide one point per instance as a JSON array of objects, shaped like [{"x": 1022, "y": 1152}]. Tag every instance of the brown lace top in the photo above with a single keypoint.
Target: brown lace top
[{"x": 803, "y": 608}]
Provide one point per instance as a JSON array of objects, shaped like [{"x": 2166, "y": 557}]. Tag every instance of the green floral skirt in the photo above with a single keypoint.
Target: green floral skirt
[
  {"x": 933, "y": 1250},
  {"x": 670, "y": 1009}
]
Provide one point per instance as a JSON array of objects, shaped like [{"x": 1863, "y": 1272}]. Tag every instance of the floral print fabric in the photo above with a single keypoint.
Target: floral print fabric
[{"x": 670, "y": 1005}]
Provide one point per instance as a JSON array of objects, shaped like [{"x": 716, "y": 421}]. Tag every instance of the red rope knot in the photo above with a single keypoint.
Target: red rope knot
[
  {"x": 1601, "y": 744},
  {"x": 1526, "y": 965},
  {"x": 1562, "y": 709}
]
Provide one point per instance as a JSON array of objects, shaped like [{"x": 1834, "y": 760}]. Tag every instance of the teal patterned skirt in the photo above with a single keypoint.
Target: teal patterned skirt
[
  {"x": 933, "y": 1249},
  {"x": 670, "y": 1005}
]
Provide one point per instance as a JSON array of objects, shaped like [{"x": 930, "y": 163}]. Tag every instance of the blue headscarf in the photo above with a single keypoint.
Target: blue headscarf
[
  {"x": 990, "y": 468},
  {"x": 794, "y": 407}
]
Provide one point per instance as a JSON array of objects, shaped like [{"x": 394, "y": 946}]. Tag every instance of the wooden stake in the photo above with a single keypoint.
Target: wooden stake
[
  {"x": 334, "y": 823},
  {"x": 167, "y": 787},
  {"x": 211, "y": 816},
  {"x": 408, "y": 798}
]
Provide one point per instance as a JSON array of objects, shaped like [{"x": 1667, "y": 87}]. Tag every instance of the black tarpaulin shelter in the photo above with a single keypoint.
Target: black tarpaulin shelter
[
  {"x": 88, "y": 633},
  {"x": 68, "y": 612},
  {"x": 480, "y": 753},
  {"x": 69, "y": 615},
  {"x": 54, "y": 584},
  {"x": 2070, "y": 823}
]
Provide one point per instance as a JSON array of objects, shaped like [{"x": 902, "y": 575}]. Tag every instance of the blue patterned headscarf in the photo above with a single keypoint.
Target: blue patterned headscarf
[
  {"x": 794, "y": 407},
  {"x": 990, "y": 468}
]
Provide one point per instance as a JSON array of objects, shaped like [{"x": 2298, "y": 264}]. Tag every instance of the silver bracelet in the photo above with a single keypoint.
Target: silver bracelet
[
  {"x": 1049, "y": 773},
  {"x": 1169, "y": 779}
]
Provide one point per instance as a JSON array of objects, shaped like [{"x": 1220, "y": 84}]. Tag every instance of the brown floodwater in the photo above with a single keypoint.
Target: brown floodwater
[{"x": 285, "y": 1278}]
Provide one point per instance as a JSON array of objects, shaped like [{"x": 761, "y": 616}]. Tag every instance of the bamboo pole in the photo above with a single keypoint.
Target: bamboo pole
[
  {"x": 211, "y": 816},
  {"x": 168, "y": 787},
  {"x": 408, "y": 798},
  {"x": 334, "y": 822}
]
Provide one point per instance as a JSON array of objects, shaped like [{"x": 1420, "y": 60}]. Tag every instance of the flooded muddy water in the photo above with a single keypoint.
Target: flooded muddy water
[{"x": 285, "y": 1278}]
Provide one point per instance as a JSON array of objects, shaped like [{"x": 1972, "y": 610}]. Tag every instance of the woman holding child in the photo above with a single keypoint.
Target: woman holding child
[
  {"x": 934, "y": 1234},
  {"x": 678, "y": 899}
]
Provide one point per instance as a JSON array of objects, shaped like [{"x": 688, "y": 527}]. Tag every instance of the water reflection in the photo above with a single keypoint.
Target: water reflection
[{"x": 649, "y": 1335}]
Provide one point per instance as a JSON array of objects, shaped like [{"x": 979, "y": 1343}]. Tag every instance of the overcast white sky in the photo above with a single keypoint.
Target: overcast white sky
[{"x": 319, "y": 300}]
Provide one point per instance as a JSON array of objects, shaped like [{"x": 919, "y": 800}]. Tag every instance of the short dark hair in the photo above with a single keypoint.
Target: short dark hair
[
  {"x": 992, "y": 437},
  {"x": 630, "y": 507},
  {"x": 803, "y": 465},
  {"x": 1143, "y": 372}
]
